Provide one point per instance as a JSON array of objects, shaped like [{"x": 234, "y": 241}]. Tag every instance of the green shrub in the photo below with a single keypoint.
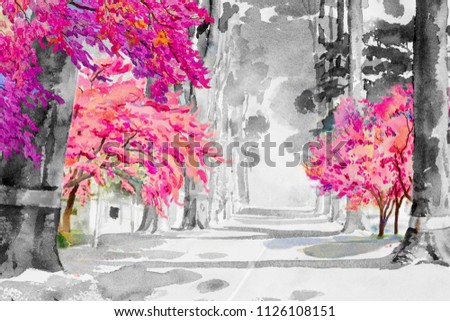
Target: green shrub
[{"x": 73, "y": 238}]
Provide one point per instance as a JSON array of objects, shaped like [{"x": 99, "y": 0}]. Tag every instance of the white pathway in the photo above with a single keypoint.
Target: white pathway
[{"x": 249, "y": 258}]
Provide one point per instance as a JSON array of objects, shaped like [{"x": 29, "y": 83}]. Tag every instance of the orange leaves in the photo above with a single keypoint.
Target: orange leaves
[
  {"x": 162, "y": 39},
  {"x": 140, "y": 24},
  {"x": 55, "y": 40},
  {"x": 312, "y": 171},
  {"x": 70, "y": 161}
]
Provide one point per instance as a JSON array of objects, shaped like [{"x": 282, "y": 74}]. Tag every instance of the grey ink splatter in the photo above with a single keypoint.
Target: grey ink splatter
[
  {"x": 349, "y": 248},
  {"x": 151, "y": 255},
  {"x": 212, "y": 255},
  {"x": 394, "y": 8},
  {"x": 112, "y": 241},
  {"x": 228, "y": 12},
  {"x": 292, "y": 242},
  {"x": 304, "y": 295},
  {"x": 113, "y": 255},
  {"x": 163, "y": 254},
  {"x": 56, "y": 288},
  {"x": 256, "y": 126},
  {"x": 267, "y": 299},
  {"x": 385, "y": 58},
  {"x": 305, "y": 102},
  {"x": 213, "y": 285},
  {"x": 298, "y": 8},
  {"x": 135, "y": 282}
]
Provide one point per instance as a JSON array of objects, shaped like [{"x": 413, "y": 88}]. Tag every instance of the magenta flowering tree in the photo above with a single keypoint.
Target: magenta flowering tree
[
  {"x": 152, "y": 34},
  {"x": 376, "y": 167},
  {"x": 42, "y": 43},
  {"x": 119, "y": 135}
]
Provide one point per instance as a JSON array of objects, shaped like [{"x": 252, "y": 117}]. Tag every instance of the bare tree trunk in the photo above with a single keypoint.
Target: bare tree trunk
[
  {"x": 190, "y": 220},
  {"x": 334, "y": 215},
  {"x": 381, "y": 224},
  {"x": 313, "y": 25},
  {"x": 30, "y": 197},
  {"x": 340, "y": 18},
  {"x": 396, "y": 215},
  {"x": 327, "y": 204},
  {"x": 319, "y": 204},
  {"x": 65, "y": 226},
  {"x": 353, "y": 220},
  {"x": 430, "y": 164},
  {"x": 241, "y": 175},
  {"x": 149, "y": 218},
  {"x": 355, "y": 27}
]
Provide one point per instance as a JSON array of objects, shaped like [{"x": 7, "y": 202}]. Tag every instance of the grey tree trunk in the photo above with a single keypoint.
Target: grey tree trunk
[
  {"x": 237, "y": 122},
  {"x": 335, "y": 202},
  {"x": 353, "y": 221},
  {"x": 318, "y": 206},
  {"x": 355, "y": 27},
  {"x": 149, "y": 219},
  {"x": 430, "y": 163},
  {"x": 30, "y": 196},
  {"x": 216, "y": 53},
  {"x": 326, "y": 204}
]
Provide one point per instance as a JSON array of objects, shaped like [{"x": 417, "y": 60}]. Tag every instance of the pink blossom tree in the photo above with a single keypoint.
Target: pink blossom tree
[
  {"x": 119, "y": 134},
  {"x": 376, "y": 165},
  {"x": 42, "y": 43}
]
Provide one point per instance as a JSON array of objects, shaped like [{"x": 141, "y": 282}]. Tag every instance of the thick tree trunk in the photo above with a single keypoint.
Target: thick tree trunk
[
  {"x": 190, "y": 220},
  {"x": 30, "y": 197},
  {"x": 149, "y": 218},
  {"x": 430, "y": 164},
  {"x": 65, "y": 226},
  {"x": 355, "y": 27},
  {"x": 240, "y": 173},
  {"x": 319, "y": 204},
  {"x": 353, "y": 220},
  {"x": 326, "y": 204},
  {"x": 340, "y": 18},
  {"x": 335, "y": 202}
]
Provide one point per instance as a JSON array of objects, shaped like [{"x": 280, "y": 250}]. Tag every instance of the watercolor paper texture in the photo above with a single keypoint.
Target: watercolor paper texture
[{"x": 224, "y": 150}]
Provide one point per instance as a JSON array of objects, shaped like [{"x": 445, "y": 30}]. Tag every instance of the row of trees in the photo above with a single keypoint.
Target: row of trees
[
  {"x": 392, "y": 132},
  {"x": 43, "y": 44}
]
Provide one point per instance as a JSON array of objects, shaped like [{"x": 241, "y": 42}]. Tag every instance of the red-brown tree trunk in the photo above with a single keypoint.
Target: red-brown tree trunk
[
  {"x": 396, "y": 215},
  {"x": 65, "y": 224},
  {"x": 382, "y": 223}
]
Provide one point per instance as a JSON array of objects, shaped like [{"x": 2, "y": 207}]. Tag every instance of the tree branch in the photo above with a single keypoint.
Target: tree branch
[{"x": 83, "y": 7}]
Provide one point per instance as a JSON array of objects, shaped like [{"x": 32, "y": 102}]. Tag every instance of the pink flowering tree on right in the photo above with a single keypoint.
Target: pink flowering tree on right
[{"x": 376, "y": 157}]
